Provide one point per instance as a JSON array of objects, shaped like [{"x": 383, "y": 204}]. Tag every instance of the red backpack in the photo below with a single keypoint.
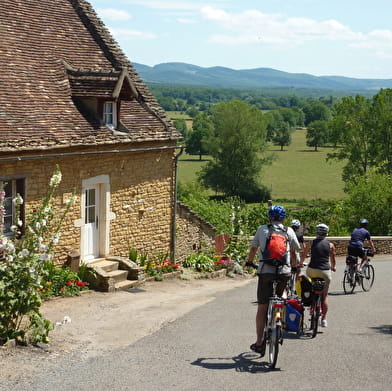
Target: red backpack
[{"x": 275, "y": 252}]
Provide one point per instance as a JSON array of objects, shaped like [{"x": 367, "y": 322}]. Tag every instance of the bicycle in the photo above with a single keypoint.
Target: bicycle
[
  {"x": 315, "y": 310},
  {"x": 273, "y": 334},
  {"x": 351, "y": 276}
]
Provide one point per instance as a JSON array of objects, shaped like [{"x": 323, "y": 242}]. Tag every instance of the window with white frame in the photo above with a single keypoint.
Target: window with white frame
[
  {"x": 11, "y": 188},
  {"x": 110, "y": 114}
]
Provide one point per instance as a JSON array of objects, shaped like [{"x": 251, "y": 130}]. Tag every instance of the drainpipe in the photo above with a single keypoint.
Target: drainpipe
[{"x": 174, "y": 213}]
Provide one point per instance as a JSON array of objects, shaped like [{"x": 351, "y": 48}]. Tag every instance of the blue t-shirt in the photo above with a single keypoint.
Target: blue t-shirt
[{"x": 358, "y": 236}]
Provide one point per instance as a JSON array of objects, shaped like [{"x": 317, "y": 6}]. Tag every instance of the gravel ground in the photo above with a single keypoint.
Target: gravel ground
[{"x": 94, "y": 323}]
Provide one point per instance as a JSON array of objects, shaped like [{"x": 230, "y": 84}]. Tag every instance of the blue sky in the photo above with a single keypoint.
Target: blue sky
[{"x": 321, "y": 37}]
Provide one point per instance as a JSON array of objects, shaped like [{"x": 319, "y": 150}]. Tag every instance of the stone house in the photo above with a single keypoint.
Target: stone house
[{"x": 70, "y": 97}]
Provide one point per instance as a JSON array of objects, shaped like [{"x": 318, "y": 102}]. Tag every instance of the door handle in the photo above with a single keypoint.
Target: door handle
[{"x": 96, "y": 222}]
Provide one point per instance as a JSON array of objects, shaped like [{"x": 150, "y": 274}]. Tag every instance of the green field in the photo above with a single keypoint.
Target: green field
[{"x": 297, "y": 173}]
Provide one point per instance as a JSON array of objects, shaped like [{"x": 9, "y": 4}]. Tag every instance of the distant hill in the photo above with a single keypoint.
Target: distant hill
[{"x": 187, "y": 74}]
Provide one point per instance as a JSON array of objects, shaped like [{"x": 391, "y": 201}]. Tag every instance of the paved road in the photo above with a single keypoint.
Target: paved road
[{"x": 208, "y": 349}]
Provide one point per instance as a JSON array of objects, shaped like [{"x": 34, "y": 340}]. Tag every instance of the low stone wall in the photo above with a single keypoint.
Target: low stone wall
[
  {"x": 383, "y": 244},
  {"x": 193, "y": 233}
]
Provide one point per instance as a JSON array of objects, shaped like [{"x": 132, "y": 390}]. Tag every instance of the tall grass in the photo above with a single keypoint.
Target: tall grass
[{"x": 297, "y": 173}]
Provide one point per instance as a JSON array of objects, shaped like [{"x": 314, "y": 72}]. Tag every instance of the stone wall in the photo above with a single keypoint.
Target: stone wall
[
  {"x": 193, "y": 233},
  {"x": 139, "y": 194},
  {"x": 382, "y": 244}
]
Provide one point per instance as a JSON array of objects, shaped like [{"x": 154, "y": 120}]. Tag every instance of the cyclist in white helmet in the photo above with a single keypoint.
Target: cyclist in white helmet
[
  {"x": 295, "y": 224},
  {"x": 322, "y": 262}
]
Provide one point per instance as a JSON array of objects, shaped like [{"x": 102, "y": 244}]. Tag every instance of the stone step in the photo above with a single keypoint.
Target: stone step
[
  {"x": 118, "y": 275},
  {"x": 126, "y": 284},
  {"x": 106, "y": 265}
]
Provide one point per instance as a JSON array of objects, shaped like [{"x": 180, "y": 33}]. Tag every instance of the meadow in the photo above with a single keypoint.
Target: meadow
[{"x": 297, "y": 173}]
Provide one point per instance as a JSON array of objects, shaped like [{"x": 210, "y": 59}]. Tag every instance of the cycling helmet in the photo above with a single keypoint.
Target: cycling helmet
[
  {"x": 322, "y": 230},
  {"x": 295, "y": 223},
  {"x": 363, "y": 222},
  {"x": 277, "y": 212}
]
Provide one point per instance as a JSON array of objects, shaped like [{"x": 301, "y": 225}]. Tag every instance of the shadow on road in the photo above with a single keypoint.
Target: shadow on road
[
  {"x": 384, "y": 329},
  {"x": 244, "y": 362}
]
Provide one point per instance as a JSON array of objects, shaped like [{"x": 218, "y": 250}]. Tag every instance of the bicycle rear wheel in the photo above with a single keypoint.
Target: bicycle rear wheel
[
  {"x": 314, "y": 321},
  {"x": 368, "y": 278},
  {"x": 348, "y": 282},
  {"x": 273, "y": 345}
]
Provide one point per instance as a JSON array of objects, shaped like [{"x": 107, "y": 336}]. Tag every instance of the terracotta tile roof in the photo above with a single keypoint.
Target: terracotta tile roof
[{"x": 54, "y": 54}]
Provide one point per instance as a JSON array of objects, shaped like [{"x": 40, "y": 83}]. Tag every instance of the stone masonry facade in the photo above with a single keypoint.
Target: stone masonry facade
[{"x": 141, "y": 197}]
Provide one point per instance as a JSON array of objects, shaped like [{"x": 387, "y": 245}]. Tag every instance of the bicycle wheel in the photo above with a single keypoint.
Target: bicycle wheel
[
  {"x": 273, "y": 345},
  {"x": 368, "y": 278},
  {"x": 314, "y": 321},
  {"x": 348, "y": 282}
]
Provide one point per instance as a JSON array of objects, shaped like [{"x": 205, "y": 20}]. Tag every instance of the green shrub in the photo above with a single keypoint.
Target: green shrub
[
  {"x": 24, "y": 265},
  {"x": 199, "y": 262}
]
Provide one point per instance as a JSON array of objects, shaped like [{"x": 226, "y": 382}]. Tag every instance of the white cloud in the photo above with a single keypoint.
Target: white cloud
[
  {"x": 253, "y": 26},
  {"x": 113, "y": 14},
  {"x": 378, "y": 40},
  {"x": 131, "y": 34},
  {"x": 186, "y": 21}
]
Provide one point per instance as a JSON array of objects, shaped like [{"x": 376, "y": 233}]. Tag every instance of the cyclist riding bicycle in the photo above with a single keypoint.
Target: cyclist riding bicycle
[
  {"x": 295, "y": 225},
  {"x": 322, "y": 261},
  {"x": 355, "y": 246},
  {"x": 266, "y": 272}
]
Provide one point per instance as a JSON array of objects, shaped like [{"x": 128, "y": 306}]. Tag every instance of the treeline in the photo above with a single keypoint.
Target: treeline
[{"x": 185, "y": 98}]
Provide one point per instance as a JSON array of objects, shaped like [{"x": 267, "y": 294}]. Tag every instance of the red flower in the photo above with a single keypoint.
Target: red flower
[
  {"x": 81, "y": 284},
  {"x": 176, "y": 266},
  {"x": 69, "y": 283}
]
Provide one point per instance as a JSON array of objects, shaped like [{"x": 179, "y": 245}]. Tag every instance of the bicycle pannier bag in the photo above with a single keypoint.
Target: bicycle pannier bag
[
  {"x": 295, "y": 302},
  {"x": 304, "y": 289},
  {"x": 275, "y": 252},
  {"x": 293, "y": 318}
]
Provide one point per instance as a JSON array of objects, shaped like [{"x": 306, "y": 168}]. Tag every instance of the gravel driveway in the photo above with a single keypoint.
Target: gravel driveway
[{"x": 97, "y": 322}]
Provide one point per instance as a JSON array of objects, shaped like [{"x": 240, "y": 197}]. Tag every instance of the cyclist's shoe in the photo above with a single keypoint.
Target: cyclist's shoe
[
  {"x": 259, "y": 348},
  {"x": 324, "y": 323},
  {"x": 360, "y": 273}
]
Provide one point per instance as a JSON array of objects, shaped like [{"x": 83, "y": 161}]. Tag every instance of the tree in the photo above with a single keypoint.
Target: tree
[
  {"x": 315, "y": 111},
  {"x": 236, "y": 148},
  {"x": 197, "y": 141},
  {"x": 279, "y": 127},
  {"x": 352, "y": 131},
  {"x": 180, "y": 125},
  {"x": 371, "y": 197},
  {"x": 282, "y": 134},
  {"x": 317, "y": 134},
  {"x": 381, "y": 111}
]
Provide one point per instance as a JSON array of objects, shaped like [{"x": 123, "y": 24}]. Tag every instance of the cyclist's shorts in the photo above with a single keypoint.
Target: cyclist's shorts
[
  {"x": 317, "y": 273},
  {"x": 356, "y": 251},
  {"x": 264, "y": 286}
]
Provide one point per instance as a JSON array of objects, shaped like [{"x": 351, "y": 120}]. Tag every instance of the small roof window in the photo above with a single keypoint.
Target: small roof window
[{"x": 110, "y": 114}]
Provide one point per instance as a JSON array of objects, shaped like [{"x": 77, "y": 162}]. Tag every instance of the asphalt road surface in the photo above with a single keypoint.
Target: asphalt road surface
[{"x": 208, "y": 349}]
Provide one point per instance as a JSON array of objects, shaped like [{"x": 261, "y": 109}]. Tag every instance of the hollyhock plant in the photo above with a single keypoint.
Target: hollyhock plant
[{"x": 22, "y": 267}]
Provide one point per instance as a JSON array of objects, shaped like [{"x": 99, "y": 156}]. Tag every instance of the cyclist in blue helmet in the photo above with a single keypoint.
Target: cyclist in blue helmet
[
  {"x": 266, "y": 272},
  {"x": 277, "y": 212},
  {"x": 355, "y": 246}
]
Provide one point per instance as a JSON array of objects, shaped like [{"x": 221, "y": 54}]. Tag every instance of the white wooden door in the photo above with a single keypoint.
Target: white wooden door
[{"x": 91, "y": 223}]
